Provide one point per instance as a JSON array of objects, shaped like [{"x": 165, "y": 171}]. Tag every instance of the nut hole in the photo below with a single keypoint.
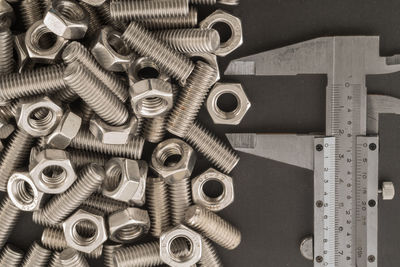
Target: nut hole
[
  {"x": 70, "y": 10},
  {"x": 41, "y": 118},
  {"x": 152, "y": 104},
  {"x": 213, "y": 190},
  {"x": 170, "y": 156},
  {"x": 43, "y": 39},
  {"x": 23, "y": 192},
  {"x": 147, "y": 69},
  {"x": 227, "y": 105},
  {"x": 53, "y": 176},
  {"x": 117, "y": 44},
  {"x": 224, "y": 30},
  {"x": 84, "y": 232},
  {"x": 176, "y": 252},
  {"x": 129, "y": 232},
  {"x": 113, "y": 178}
]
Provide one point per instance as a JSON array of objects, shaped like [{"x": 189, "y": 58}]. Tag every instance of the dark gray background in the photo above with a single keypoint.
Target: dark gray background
[{"x": 274, "y": 202}]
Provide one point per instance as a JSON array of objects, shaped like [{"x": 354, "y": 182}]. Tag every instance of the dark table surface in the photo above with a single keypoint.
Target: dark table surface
[{"x": 274, "y": 201}]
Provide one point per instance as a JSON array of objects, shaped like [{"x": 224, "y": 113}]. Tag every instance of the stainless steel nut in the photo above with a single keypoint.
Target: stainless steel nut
[
  {"x": 23, "y": 60},
  {"x": 6, "y": 129},
  {"x": 110, "y": 51},
  {"x": 128, "y": 225},
  {"x": 211, "y": 203},
  {"x": 52, "y": 171},
  {"x": 66, "y": 18},
  {"x": 65, "y": 131},
  {"x": 151, "y": 98},
  {"x": 37, "y": 126},
  {"x": 162, "y": 160},
  {"x": 42, "y": 45},
  {"x": 235, "y": 116},
  {"x": 94, "y": 2},
  {"x": 126, "y": 180},
  {"x": 208, "y": 58},
  {"x": 85, "y": 242},
  {"x": 23, "y": 192},
  {"x": 234, "y": 23},
  {"x": 116, "y": 135},
  {"x": 174, "y": 259},
  {"x": 6, "y": 13},
  {"x": 144, "y": 68}
]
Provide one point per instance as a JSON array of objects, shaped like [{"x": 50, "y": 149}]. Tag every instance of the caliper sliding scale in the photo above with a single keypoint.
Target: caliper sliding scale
[{"x": 345, "y": 158}]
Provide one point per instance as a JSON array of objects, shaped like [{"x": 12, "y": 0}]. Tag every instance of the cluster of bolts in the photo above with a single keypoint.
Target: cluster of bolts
[{"x": 91, "y": 81}]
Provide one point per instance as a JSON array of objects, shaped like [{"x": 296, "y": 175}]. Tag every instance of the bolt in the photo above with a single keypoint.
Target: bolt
[
  {"x": 158, "y": 205},
  {"x": 6, "y": 51},
  {"x": 180, "y": 22},
  {"x": 105, "y": 15},
  {"x": 154, "y": 129},
  {"x": 30, "y": 11},
  {"x": 71, "y": 257},
  {"x": 80, "y": 158},
  {"x": 37, "y": 256},
  {"x": 104, "y": 204},
  {"x": 94, "y": 21},
  {"x": 11, "y": 256},
  {"x": 55, "y": 259},
  {"x": 209, "y": 256},
  {"x": 9, "y": 214},
  {"x": 109, "y": 251}
]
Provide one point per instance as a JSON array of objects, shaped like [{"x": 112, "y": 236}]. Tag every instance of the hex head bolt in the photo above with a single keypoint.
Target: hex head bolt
[
  {"x": 96, "y": 94},
  {"x": 147, "y": 44},
  {"x": 187, "y": 21},
  {"x": 37, "y": 256},
  {"x": 62, "y": 205},
  {"x": 6, "y": 51},
  {"x": 158, "y": 205},
  {"x": 213, "y": 227},
  {"x": 8, "y": 216},
  {"x": 11, "y": 256}
]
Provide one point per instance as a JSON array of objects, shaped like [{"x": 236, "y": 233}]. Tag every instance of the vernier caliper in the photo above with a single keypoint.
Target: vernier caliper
[{"x": 345, "y": 158}]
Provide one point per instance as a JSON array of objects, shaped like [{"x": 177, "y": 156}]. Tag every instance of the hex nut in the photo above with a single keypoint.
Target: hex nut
[
  {"x": 68, "y": 19},
  {"x": 6, "y": 129},
  {"x": 89, "y": 242},
  {"x": 208, "y": 58},
  {"x": 110, "y": 51},
  {"x": 213, "y": 204},
  {"x": 126, "y": 180},
  {"x": 128, "y": 225},
  {"x": 144, "y": 68},
  {"x": 235, "y": 116},
  {"x": 166, "y": 247},
  {"x": 52, "y": 171},
  {"x": 23, "y": 60},
  {"x": 173, "y": 171},
  {"x": 234, "y": 23},
  {"x": 151, "y": 98},
  {"x": 6, "y": 13},
  {"x": 109, "y": 134},
  {"x": 42, "y": 45},
  {"x": 23, "y": 192},
  {"x": 38, "y": 126},
  {"x": 65, "y": 131}
]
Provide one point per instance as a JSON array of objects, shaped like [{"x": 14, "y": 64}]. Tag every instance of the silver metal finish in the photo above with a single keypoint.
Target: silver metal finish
[
  {"x": 37, "y": 256},
  {"x": 71, "y": 257},
  {"x": 387, "y": 190},
  {"x": 146, "y": 254},
  {"x": 377, "y": 105},
  {"x": 23, "y": 192},
  {"x": 11, "y": 256},
  {"x": 180, "y": 22},
  {"x": 6, "y": 51},
  {"x": 108, "y": 252},
  {"x": 158, "y": 205},
  {"x": 109, "y": 134},
  {"x": 104, "y": 204},
  {"x": 9, "y": 214},
  {"x": 30, "y": 12},
  {"x": 209, "y": 255},
  {"x": 307, "y": 248}
]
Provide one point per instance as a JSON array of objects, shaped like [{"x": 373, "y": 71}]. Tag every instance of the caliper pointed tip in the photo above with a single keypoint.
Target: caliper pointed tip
[{"x": 242, "y": 141}]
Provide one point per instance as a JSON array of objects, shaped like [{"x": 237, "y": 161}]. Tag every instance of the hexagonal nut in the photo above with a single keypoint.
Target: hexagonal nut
[
  {"x": 234, "y": 23},
  {"x": 68, "y": 19},
  {"x": 23, "y": 60},
  {"x": 169, "y": 243},
  {"x": 82, "y": 242},
  {"x": 213, "y": 203},
  {"x": 94, "y": 2},
  {"x": 164, "y": 163},
  {"x": 52, "y": 171},
  {"x": 110, "y": 51},
  {"x": 6, "y": 129},
  {"x": 128, "y": 225},
  {"x": 23, "y": 192},
  {"x": 208, "y": 58},
  {"x": 126, "y": 180},
  {"x": 115, "y": 135},
  {"x": 235, "y": 116},
  {"x": 151, "y": 98},
  {"x": 28, "y": 119},
  {"x": 7, "y": 15},
  {"x": 143, "y": 68},
  {"x": 65, "y": 131}
]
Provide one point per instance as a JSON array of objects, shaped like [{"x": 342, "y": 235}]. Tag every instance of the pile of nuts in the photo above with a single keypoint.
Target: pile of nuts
[{"x": 91, "y": 81}]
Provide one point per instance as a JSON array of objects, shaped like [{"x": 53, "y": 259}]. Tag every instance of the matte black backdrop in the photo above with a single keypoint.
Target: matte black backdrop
[{"x": 274, "y": 202}]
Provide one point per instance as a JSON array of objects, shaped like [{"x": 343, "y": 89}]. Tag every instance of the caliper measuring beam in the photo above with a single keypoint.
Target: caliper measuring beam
[{"x": 344, "y": 158}]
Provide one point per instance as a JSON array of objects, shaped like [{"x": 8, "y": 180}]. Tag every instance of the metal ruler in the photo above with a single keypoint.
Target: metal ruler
[{"x": 345, "y": 160}]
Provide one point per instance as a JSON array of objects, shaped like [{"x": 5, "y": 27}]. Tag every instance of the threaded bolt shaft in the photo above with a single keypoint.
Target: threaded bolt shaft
[
  {"x": 75, "y": 51},
  {"x": 71, "y": 257},
  {"x": 55, "y": 260},
  {"x": 191, "y": 99},
  {"x": 94, "y": 21},
  {"x": 96, "y": 94},
  {"x": 104, "y": 204},
  {"x": 9, "y": 214},
  {"x": 105, "y": 15},
  {"x": 181, "y": 198},
  {"x": 209, "y": 256},
  {"x": 9, "y": 111},
  {"x": 38, "y": 218},
  {"x": 80, "y": 158},
  {"x": 191, "y": 40},
  {"x": 14, "y": 155},
  {"x": 125, "y": 10},
  {"x": 203, "y": 2},
  {"x": 6, "y": 51},
  {"x": 140, "y": 125},
  {"x": 11, "y": 256},
  {"x": 60, "y": 206},
  {"x": 213, "y": 227},
  {"x": 31, "y": 11},
  {"x": 147, "y": 254},
  {"x": 86, "y": 141},
  {"x": 108, "y": 253},
  {"x": 187, "y": 21},
  {"x": 147, "y": 44},
  {"x": 158, "y": 205},
  {"x": 37, "y": 256},
  {"x": 45, "y": 80},
  {"x": 154, "y": 129},
  {"x": 212, "y": 148},
  {"x": 86, "y": 112}
]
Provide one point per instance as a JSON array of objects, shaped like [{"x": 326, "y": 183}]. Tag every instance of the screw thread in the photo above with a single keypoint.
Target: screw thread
[
  {"x": 33, "y": 82},
  {"x": 14, "y": 155},
  {"x": 212, "y": 148},
  {"x": 60, "y": 206},
  {"x": 75, "y": 51},
  {"x": 209, "y": 256},
  {"x": 158, "y": 205},
  {"x": 140, "y": 125},
  {"x": 11, "y": 256},
  {"x": 94, "y": 20},
  {"x": 55, "y": 260},
  {"x": 105, "y": 16},
  {"x": 203, "y": 2},
  {"x": 6, "y": 51},
  {"x": 71, "y": 257},
  {"x": 9, "y": 111},
  {"x": 67, "y": 95},
  {"x": 80, "y": 158},
  {"x": 154, "y": 129},
  {"x": 9, "y": 214},
  {"x": 147, "y": 44},
  {"x": 31, "y": 11},
  {"x": 213, "y": 227},
  {"x": 142, "y": 255},
  {"x": 126, "y": 10},
  {"x": 38, "y": 218},
  {"x": 191, "y": 40},
  {"x": 187, "y": 21},
  {"x": 108, "y": 254},
  {"x": 104, "y": 204},
  {"x": 180, "y": 198},
  {"x": 191, "y": 99},
  {"x": 96, "y": 94},
  {"x": 37, "y": 256},
  {"x": 86, "y": 141}
]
